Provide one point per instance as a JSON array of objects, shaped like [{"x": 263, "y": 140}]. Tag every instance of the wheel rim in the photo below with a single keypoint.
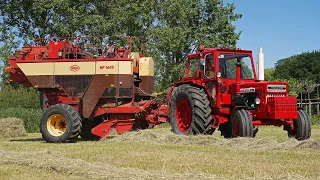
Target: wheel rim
[
  {"x": 183, "y": 114},
  {"x": 236, "y": 128},
  {"x": 56, "y": 125}
]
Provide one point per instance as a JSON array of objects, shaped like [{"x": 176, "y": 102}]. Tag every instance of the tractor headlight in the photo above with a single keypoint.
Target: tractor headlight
[
  {"x": 257, "y": 101},
  {"x": 218, "y": 74}
]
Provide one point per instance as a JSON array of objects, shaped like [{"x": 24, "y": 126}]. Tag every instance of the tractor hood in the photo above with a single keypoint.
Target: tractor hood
[{"x": 264, "y": 87}]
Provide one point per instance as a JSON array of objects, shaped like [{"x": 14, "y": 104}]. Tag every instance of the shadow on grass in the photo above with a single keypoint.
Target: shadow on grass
[
  {"x": 42, "y": 140},
  {"x": 27, "y": 140}
]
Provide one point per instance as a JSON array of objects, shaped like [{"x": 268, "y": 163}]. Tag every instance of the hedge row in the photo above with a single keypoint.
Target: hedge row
[
  {"x": 31, "y": 117},
  {"x": 21, "y": 103},
  {"x": 19, "y": 97}
]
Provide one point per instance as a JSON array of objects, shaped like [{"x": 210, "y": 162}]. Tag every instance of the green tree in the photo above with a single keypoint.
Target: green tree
[
  {"x": 269, "y": 74},
  {"x": 50, "y": 18},
  {"x": 184, "y": 24},
  {"x": 296, "y": 86},
  {"x": 304, "y": 66},
  {"x": 6, "y": 50}
]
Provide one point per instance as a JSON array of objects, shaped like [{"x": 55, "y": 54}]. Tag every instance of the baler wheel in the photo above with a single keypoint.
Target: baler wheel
[
  {"x": 302, "y": 127},
  {"x": 190, "y": 111},
  {"x": 241, "y": 124},
  {"x": 60, "y": 123}
]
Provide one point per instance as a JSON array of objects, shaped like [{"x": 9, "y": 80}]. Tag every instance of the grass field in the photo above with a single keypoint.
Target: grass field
[{"x": 158, "y": 154}]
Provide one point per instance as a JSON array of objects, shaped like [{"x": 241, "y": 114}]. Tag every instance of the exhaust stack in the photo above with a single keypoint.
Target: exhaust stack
[{"x": 261, "y": 65}]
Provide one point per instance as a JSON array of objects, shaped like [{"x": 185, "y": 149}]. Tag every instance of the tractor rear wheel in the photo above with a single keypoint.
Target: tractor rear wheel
[
  {"x": 190, "y": 111},
  {"x": 60, "y": 123},
  {"x": 302, "y": 127},
  {"x": 240, "y": 124}
]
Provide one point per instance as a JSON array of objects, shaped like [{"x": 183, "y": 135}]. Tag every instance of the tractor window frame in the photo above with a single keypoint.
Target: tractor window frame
[{"x": 211, "y": 64}]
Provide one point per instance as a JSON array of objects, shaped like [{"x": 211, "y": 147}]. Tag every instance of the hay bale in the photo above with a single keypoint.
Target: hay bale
[{"x": 12, "y": 127}]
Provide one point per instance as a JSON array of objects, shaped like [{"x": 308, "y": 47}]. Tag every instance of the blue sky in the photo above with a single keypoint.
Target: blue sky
[{"x": 281, "y": 27}]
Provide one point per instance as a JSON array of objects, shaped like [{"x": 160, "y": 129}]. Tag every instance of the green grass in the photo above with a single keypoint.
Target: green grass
[
  {"x": 269, "y": 155},
  {"x": 315, "y": 120}
]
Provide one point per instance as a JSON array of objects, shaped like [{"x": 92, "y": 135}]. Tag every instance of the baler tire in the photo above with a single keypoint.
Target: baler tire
[
  {"x": 200, "y": 116},
  {"x": 302, "y": 126},
  {"x": 73, "y": 124},
  {"x": 244, "y": 123},
  {"x": 85, "y": 133}
]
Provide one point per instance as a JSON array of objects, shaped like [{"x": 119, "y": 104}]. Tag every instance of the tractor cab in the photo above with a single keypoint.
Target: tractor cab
[
  {"x": 212, "y": 63},
  {"x": 217, "y": 69}
]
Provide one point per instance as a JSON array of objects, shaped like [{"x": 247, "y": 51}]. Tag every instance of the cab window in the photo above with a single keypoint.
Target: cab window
[{"x": 227, "y": 66}]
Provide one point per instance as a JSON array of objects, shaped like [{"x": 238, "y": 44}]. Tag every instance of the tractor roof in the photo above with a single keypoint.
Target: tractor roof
[{"x": 211, "y": 50}]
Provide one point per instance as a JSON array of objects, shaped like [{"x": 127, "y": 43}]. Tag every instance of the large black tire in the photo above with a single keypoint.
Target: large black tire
[
  {"x": 240, "y": 125},
  {"x": 87, "y": 125},
  {"x": 190, "y": 111},
  {"x": 60, "y": 123},
  {"x": 302, "y": 126}
]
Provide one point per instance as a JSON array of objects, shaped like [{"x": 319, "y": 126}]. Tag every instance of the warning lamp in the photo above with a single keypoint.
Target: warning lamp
[
  {"x": 239, "y": 49},
  {"x": 201, "y": 48}
]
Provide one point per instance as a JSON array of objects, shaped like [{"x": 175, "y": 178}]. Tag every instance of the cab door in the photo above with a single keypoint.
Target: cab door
[{"x": 209, "y": 75}]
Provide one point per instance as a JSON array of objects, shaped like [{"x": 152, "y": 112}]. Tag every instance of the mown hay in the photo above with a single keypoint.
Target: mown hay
[
  {"x": 77, "y": 168},
  {"x": 242, "y": 143},
  {"x": 90, "y": 170},
  {"x": 12, "y": 127}
]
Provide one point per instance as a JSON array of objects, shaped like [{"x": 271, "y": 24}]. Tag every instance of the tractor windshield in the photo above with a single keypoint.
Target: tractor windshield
[{"x": 227, "y": 65}]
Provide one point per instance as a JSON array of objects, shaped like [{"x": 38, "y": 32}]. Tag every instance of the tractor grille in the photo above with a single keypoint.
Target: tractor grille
[
  {"x": 282, "y": 107},
  {"x": 276, "y": 95}
]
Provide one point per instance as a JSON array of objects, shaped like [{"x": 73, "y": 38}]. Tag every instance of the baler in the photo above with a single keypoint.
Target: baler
[{"x": 89, "y": 85}]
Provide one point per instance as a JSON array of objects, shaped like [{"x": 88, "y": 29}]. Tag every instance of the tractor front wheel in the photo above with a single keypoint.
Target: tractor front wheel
[
  {"x": 301, "y": 127},
  {"x": 190, "y": 111},
  {"x": 240, "y": 124},
  {"x": 60, "y": 123}
]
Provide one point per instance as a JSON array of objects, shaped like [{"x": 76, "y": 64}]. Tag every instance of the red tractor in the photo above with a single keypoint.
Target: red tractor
[{"x": 220, "y": 90}]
